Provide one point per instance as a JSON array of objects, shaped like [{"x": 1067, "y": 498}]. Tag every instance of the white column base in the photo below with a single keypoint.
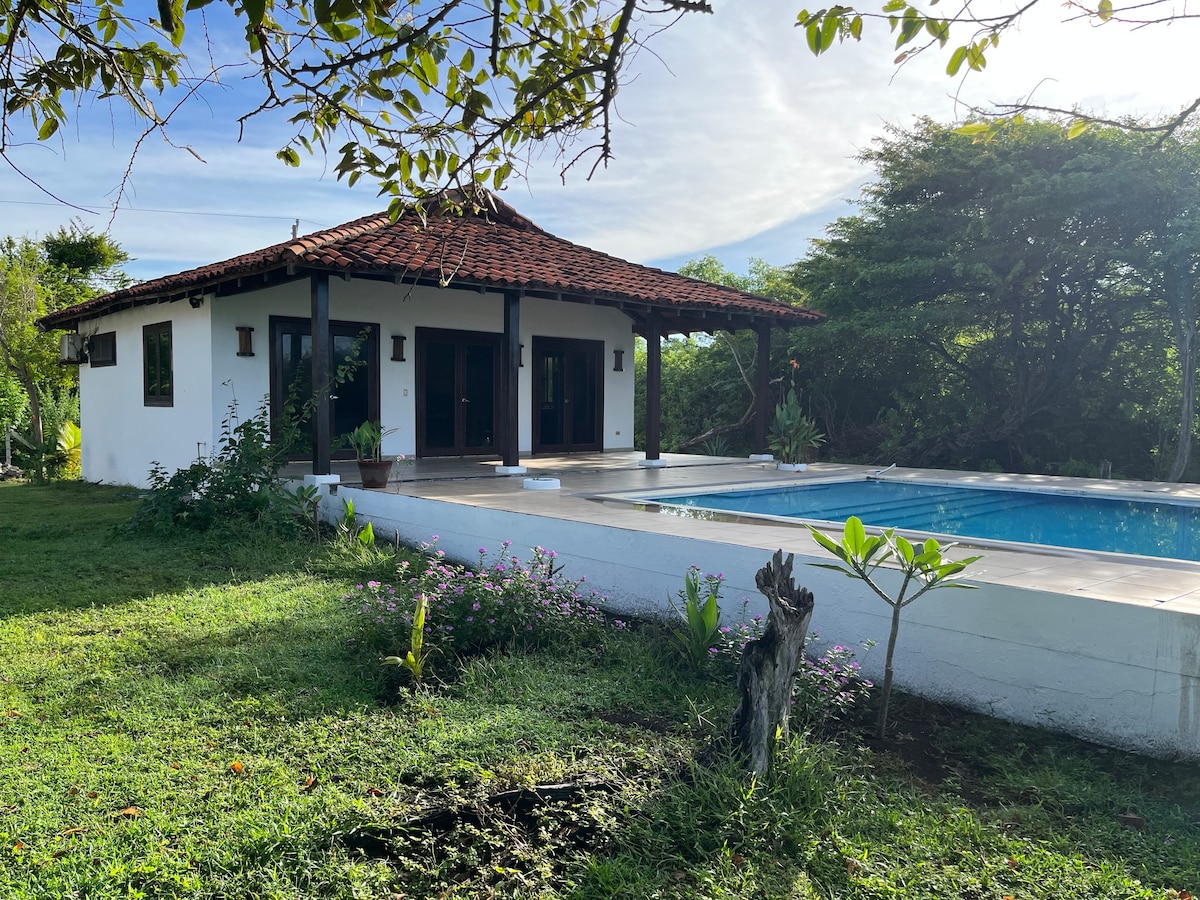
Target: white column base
[
  {"x": 511, "y": 470},
  {"x": 323, "y": 479},
  {"x": 652, "y": 463},
  {"x": 761, "y": 457}
]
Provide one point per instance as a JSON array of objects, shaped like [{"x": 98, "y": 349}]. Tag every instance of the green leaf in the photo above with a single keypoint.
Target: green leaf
[
  {"x": 855, "y": 536},
  {"x": 1078, "y": 127},
  {"x": 256, "y": 10},
  {"x": 829, "y": 29},
  {"x": 48, "y": 128},
  {"x": 849, "y": 573},
  {"x": 1104, "y": 10},
  {"x": 956, "y": 60}
]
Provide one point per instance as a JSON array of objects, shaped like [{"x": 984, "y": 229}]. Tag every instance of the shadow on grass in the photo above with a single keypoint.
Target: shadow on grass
[
  {"x": 299, "y": 666},
  {"x": 67, "y": 546}
]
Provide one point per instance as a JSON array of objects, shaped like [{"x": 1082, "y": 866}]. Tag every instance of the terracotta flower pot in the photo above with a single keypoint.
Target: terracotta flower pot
[{"x": 374, "y": 472}]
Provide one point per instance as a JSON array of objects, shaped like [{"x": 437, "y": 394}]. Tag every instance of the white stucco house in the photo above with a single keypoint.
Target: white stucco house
[{"x": 475, "y": 334}]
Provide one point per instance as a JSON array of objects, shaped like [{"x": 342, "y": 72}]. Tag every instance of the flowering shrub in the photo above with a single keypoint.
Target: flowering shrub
[
  {"x": 499, "y": 603},
  {"x": 829, "y": 688},
  {"x": 733, "y": 638}
]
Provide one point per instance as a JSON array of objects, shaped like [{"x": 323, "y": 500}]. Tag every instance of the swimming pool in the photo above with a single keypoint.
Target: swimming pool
[{"x": 1152, "y": 527}]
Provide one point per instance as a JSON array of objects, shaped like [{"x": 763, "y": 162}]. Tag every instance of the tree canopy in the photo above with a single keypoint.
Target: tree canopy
[
  {"x": 1010, "y": 303},
  {"x": 36, "y": 278},
  {"x": 419, "y": 96}
]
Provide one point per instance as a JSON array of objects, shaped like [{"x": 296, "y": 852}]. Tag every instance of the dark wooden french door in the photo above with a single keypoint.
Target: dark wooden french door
[
  {"x": 354, "y": 349},
  {"x": 459, "y": 398},
  {"x": 568, "y": 395}
]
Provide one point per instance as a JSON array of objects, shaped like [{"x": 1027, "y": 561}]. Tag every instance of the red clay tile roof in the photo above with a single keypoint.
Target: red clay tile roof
[{"x": 497, "y": 249}]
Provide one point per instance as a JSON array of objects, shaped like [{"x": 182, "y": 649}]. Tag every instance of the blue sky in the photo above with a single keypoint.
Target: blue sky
[{"x": 732, "y": 140}]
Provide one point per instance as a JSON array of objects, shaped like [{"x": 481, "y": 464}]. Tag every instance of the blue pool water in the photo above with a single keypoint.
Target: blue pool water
[{"x": 1142, "y": 527}]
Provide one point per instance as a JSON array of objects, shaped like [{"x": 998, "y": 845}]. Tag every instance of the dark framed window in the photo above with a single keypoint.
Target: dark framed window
[
  {"x": 156, "y": 356},
  {"x": 102, "y": 350}
]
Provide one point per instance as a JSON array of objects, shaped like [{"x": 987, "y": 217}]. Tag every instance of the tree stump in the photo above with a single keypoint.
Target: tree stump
[{"x": 768, "y": 667}]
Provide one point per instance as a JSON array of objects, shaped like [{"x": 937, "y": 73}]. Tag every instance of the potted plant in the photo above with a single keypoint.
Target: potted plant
[
  {"x": 367, "y": 441},
  {"x": 793, "y": 437}
]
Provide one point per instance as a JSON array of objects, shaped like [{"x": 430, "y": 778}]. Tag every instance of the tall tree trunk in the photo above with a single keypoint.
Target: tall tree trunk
[
  {"x": 768, "y": 667},
  {"x": 1187, "y": 404},
  {"x": 1180, "y": 285}
]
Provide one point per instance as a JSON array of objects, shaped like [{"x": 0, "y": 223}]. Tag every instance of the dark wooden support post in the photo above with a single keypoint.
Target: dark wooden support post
[
  {"x": 322, "y": 415},
  {"x": 511, "y": 363},
  {"x": 653, "y": 386},
  {"x": 762, "y": 389}
]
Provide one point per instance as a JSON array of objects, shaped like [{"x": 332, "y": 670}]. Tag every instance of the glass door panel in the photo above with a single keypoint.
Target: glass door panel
[
  {"x": 354, "y": 401},
  {"x": 568, "y": 395},
  {"x": 458, "y": 377},
  {"x": 550, "y": 411},
  {"x": 479, "y": 397},
  {"x": 441, "y": 397},
  {"x": 585, "y": 372}
]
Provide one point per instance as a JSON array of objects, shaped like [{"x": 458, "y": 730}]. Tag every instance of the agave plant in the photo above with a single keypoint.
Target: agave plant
[{"x": 793, "y": 434}]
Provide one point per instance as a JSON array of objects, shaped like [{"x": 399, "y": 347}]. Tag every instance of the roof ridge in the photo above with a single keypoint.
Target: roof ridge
[{"x": 304, "y": 244}]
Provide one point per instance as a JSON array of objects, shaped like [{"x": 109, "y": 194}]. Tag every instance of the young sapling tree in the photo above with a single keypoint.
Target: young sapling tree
[{"x": 924, "y": 568}]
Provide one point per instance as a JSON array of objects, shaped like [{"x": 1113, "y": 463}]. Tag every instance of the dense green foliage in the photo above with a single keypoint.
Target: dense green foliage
[
  {"x": 708, "y": 382},
  {"x": 37, "y": 395},
  {"x": 188, "y": 718},
  {"x": 1002, "y": 304},
  {"x": 1027, "y": 304}
]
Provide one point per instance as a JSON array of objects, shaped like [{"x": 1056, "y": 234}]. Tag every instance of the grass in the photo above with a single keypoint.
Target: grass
[{"x": 184, "y": 717}]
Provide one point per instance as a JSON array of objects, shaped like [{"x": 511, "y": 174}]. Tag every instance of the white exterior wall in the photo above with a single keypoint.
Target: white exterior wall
[
  {"x": 1124, "y": 674},
  {"x": 400, "y": 310},
  {"x": 121, "y": 436}
]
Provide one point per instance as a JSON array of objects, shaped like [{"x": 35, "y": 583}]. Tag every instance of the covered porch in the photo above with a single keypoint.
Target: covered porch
[{"x": 415, "y": 470}]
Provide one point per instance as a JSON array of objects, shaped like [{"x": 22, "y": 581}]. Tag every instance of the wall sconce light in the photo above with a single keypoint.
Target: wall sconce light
[
  {"x": 398, "y": 348},
  {"x": 618, "y": 360},
  {"x": 245, "y": 340},
  {"x": 196, "y": 302}
]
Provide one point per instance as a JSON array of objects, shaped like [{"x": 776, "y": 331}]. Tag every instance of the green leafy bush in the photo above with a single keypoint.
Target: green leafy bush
[{"x": 239, "y": 483}]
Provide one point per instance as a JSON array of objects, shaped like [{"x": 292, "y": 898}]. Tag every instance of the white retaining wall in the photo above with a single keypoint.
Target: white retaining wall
[{"x": 1122, "y": 674}]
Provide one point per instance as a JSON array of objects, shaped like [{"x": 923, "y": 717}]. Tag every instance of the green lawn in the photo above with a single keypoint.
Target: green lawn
[{"x": 186, "y": 716}]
